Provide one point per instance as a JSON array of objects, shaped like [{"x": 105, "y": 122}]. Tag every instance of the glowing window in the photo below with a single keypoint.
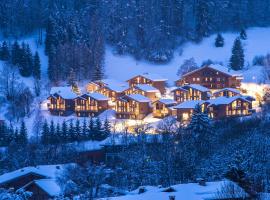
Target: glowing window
[{"x": 185, "y": 116}]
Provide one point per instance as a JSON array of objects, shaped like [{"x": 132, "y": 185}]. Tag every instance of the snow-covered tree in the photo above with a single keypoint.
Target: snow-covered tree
[
  {"x": 219, "y": 42},
  {"x": 187, "y": 66},
  {"x": 237, "y": 60}
]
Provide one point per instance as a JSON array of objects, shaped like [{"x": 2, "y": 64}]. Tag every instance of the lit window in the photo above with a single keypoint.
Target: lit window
[
  {"x": 198, "y": 79},
  {"x": 194, "y": 79},
  {"x": 218, "y": 79},
  {"x": 185, "y": 116}
]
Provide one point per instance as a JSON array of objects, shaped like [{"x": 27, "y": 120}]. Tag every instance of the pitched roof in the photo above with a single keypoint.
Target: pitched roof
[
  {"x": 146, "y": 88},
  {"x": 139, "y": 98},
  {"x": 228, "y": 89},
  {"x": 64, "y": 92},
  {"x": 49, "y": 186},
  {"x": 197, "y": 87},
  {"x": 167, "y": 101},
  {"x": 217, "y": 67},
  {"x": 225, "y": 100},
  {"x": 180, "y": 88},
  {"x": 97, "y": 96},
  {"x": 48, "y": 171},
  {"x": 115, "y": 85},
  {"x": 189, "y": 104},
  {"x": 152, "y": 77}
]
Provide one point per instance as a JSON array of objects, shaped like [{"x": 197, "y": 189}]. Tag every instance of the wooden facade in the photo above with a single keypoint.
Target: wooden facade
[
  {"x": 92, "y": 87},
  {"x": 223, "y": 107},
  {"x": 191, "y": 92},
  {"x": 134, "y": 106},
  {"x": 60, "y": 106},
  {"x": 153, "y": 80},
  {"x": 90, "y": 105},
  {"x": 163, "y": 108},
  {"x": 145, "y": 90},
  {"x": 226, "y": 92},
  {"x": 37, "y": 192},
  {"x": 212, "y": 77}
]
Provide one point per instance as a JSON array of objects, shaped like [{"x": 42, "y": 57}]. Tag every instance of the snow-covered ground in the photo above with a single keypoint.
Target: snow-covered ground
[{"x": 122, "y": 68}]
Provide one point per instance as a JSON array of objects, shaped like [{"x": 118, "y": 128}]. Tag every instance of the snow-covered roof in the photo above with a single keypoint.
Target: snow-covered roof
[
  {"x": 217, "y": 67},
  {"x": 189, "y": 104},
  {"x": 228, "y": 89},
  {"x": 49, "y": 171},
  {"x": 225, "y": 100},
  {"x": 189, "y": 191},
  {"x": 98, "y": 96},
  {"x": 151, "y": 76},
  {"x": 180, "y": 88},
  {"x": 198, "y": 87},
  {"x": 64, "y": 92},
  {"x": 167, "y": 101},
  {"x": 139, "y": 98},
  {"x": 115, "y": 85},
  {"x": 49, "y": 186},
  {"x": 146, "y": 88}
]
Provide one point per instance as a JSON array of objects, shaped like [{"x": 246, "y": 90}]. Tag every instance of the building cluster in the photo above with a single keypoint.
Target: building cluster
[{"x": 214, "y": 87}]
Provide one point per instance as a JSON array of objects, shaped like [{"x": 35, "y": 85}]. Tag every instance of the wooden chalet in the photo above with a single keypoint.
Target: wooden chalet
[
  {"x": 92, "y": 86},
  {"x": 222, "y": 107},
  {"x": 145, "y": 90},
  {"x": 149, "y": 79},
  {"x": 191, "y": 92},
  {"x": 133, "y": 106},
  {"x": 43, "y": 189},
  {"x": 112, "y": 89},
  {"x": 61, "y": 101},
  {"x": 185, "y": 110},
  {"x": 227, "y": 92},
  {"x": 91, "y": 104},
  {"x": 213, "y": 77},
  {"x": 164, "y": 107}
]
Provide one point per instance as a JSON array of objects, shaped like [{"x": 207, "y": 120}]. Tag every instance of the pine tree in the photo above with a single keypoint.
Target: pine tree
[
  {"x": 219, "y": 41},
  {"x": 58, "y": 133},
  {"x": 15, "y": 53},
  {"x": 237, "y": 58},
  {"x": 243, "y": 34},
  {"x": 23, "y": 135},
  {"x": 78, "y": 135},
  {"x": 71, "y": 132},
  {"x": 45, "y": 133},
  {"x": 36, "y": 67},
  {"x": 107, "y": 129},
  {"x": 26, "y": 61},
  {"x": 97, "y": 132},
  {"x": 90, "y": 128},
  {"x": 203, "y": 19},
  {"x": 84, "y": 130},
  {"x": 64, "y": 132},
  {"x": 52, "y": 138},
  {"x": 4, "y": 52}
]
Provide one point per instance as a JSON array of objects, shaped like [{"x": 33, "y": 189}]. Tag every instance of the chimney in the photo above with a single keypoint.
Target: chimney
[
  {"x": 171, "y": 197},
  {"x": 201, "y": 181}
]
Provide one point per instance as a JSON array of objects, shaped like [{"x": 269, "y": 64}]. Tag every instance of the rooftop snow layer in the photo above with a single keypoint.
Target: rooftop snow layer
[
  {"x": 50, "y": 186},
  {"x": 115, "y": 85},
  {"x": 198, "y": 87},
  {"x": 228, "y": 89},
  {"x": 224, "y": 100},
  {"x": 49, "y": 171},
  {"x": 189, "y": 191},
  {"x": 98, "y": 96},
  {"x": 139, "y": 98},
  {"x": 152, "y": 77},
  {"x": 189, "y": 104},
  {"x": 147, "y": 88},
  {"x": 167, "y": 101},
  {"x": 64, "y": 92}
]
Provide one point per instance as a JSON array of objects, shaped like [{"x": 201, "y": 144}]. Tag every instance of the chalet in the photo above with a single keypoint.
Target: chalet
[
  {"x": 227, "y": 92},
  {"x": 92, "y": 87},
  {"x": 213, "y": 77},
  {"x": 222, "y": 107},
  {"x": 21, "y": 177},
  {"x": 43, "y": 189},
  {"x": 164, "y": 107},
  {"x": 191, "y": 92},
  {"x": 91, "y": 104},
  {"x": 61, "y": 101},
  {"x": 112, "y": 89},
  {"x": 145, "y": 90},
  {"x": 185, "y": 110},
  {"x": 133, "y": 106},
  {"x": 149, "y": 79}
]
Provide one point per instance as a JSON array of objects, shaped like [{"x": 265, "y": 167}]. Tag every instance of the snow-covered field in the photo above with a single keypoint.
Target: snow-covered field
[{"x": 123, "y": 67}]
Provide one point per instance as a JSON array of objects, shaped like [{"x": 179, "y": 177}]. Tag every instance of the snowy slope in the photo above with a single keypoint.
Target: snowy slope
[{"x": 124, "y": 67}]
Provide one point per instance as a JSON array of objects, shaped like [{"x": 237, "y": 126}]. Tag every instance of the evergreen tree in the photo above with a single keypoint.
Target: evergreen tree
[
  {"x": 4, "y": 52},
  {"x": 26, "y": 61},
  {"x": 90, "y": 128},
  {"x": 36, "y": 67},
  {"x": 84, "y": 130},
  {"x": 15, "y": 53},
  {"x": 4, "y": 136},
  {"x": 243, "y": 34},
  {"x": 219, "y": 41},
  {"x": 203, "y": 25},
  {"x": 45, "y": 133},
  {"x": 107, "y": 129},
  {"x": 98, "y": 131},
  {"x": 71, "y": 132},
  {"x": 52, "y": 138},
  {"x": 237, "y": 58},
  {"x": 23, "y": 139},
  {"x": 78, "y": 135},
  {"x": 58, "y": 133},
  {"x": 64, "y": 132}
]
